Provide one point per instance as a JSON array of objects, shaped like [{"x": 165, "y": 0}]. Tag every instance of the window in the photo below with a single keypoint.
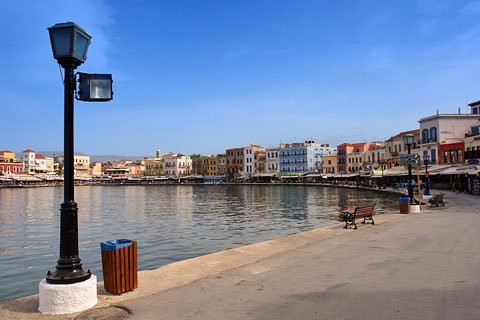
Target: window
[
  {"x": 475, "y": 131},
  {"x": 459, "y": 156},
  {"x": 433, "y": 134},
  {"x": 475, "y": 110},
  {"x": 425, "y": 136},
  {"x": 452, "y": 156}
]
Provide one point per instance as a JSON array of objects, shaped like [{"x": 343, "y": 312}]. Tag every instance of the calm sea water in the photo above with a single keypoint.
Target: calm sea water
[{"x": 169, "y": 222}]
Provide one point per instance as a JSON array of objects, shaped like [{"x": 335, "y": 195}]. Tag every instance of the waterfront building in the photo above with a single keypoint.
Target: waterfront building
[
  {"x": 303, "y": 157},
  {"x": 209, "y": 166},
  {"x": 81, "y": 165},
  {"x": 375, "y": 158},
  {"x": 153, "y": 166},
  {"x": 472, "y": 144},
  {"x": 136, "y": 168},
  {"x": 117, "y": 172},
  {"x": 36, "y": 163},
  {"x": 222, "y": 164},
  {"x": 451, "y": 153},
  {"x": 329, "y": 163},
  {"x": 235, "y": 159},
  {"x": 197, "y": 166},
  {"x": 349, "y": 155},
  {"x": 8, "y": 164},
  {"x": 7, "y": 156},
  {"x": 448, "y": 130},
  {"x": 95, "y": 169},
  {"x": 395, "y": 147},
  {"x": 7, "y": 168},
  {"x": 254, "y": 161},
  {"x": 177, "y": 165},
  {"x": 272, "y": 160}
]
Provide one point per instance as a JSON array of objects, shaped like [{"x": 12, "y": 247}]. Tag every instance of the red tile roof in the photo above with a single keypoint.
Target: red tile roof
[
  {"x": 28, "y": 150},
  {"x": 39, "y": 156}
]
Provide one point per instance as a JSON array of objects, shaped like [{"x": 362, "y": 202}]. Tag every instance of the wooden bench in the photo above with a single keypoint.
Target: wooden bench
[
  {"x": 437, "y": 199},
  {"x": 365, "y": 212}
]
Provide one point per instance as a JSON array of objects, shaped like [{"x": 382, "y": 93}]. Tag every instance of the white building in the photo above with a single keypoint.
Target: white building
[
  {"x": 81, "y": 165},
  {"x": 36, "y": 163},
  {"x": 375, "y": 159},
  {"x": 254, "y": 161},
  {"x": 272, "y": 160},
  {"x": 177, "y": 165}
]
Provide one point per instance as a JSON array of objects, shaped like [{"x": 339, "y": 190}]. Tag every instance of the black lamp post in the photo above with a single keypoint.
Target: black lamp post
[
  {"x": 382, "y": 167},
  {"x": 426, "y": 160},
  {"x": 408, "y": 139},
  {"x": 69, "y": 45}
]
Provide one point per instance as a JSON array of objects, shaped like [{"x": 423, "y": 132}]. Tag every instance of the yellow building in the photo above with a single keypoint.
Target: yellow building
[
  {"x": 210, "y": 166},
  {"x": 153, "y": 167},
  {"x": 329, "y": 163},
  {"x": 96, "y": 169},
  {"x": 355, "y": 161},
  {"x": 8, "y": 156}
]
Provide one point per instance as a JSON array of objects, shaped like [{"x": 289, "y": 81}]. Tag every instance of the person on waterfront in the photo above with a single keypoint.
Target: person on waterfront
[{"x": 455, "y": 187}]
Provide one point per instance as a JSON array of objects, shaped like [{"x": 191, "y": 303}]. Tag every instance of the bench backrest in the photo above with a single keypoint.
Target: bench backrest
[{"x": 364, "y": 210}]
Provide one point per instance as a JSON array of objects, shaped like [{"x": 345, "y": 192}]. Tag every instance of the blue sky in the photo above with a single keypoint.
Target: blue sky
[{"x": 202, "y": 76}]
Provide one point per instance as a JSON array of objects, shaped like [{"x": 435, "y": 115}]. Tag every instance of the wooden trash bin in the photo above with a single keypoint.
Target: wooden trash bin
[
  {"x": 119, "y": 263},
  {"x": 404, "y": 205}
]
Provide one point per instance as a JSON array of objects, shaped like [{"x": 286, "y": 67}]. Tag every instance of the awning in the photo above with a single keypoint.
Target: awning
[
  {"x": 26, "y": 178},
  {"x": 451, "y": 170},
  {"x": 270, "y": 174},
  {"x": 395, "y": 172}
]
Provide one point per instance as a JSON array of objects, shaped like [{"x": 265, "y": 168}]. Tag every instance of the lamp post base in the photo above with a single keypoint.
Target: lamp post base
[
  {"x": 67, "y": 298},
  {"x": 67, "y": 275}
]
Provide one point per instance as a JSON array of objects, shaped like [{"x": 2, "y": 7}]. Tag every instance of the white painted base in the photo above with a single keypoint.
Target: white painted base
[
  {"x": 414, "y": 208},
  {"x": 67, "y": 298}
]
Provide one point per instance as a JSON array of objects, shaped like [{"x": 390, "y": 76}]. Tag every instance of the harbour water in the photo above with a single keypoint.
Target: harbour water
[{"x": 170, "y": 222}]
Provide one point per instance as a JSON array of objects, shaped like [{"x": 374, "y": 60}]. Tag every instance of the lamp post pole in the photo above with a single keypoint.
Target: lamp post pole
[
  {"x": 69, "y": 266},
  {"x": 408, "y": 140},
  {"x": 69, "y": 45},
  {"x": 427, "y": 176},
  {"x": 410, "y": 186}
]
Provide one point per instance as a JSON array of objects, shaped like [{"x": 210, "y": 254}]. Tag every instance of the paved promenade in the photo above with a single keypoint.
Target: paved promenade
[{"x": 416, "y": 266}]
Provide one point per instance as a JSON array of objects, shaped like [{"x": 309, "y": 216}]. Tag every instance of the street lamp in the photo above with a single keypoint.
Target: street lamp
[
  {"x": 426, "y": 159},
  {"x": 382, "y": 167},
  {"x": 69, "y": 45},
  {"x": 408, "y": 139},
  {"x": 69, "y": 288}
]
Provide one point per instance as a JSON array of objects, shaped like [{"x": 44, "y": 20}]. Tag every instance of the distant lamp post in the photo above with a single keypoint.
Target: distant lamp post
[
  {"x": 408, "y": 139},
  {"x": 426, "y": 160},
  {"x": 382, "y": 167}
]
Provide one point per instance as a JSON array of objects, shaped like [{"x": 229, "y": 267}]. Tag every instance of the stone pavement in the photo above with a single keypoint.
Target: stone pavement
[{"x": 416, "y": 266}]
